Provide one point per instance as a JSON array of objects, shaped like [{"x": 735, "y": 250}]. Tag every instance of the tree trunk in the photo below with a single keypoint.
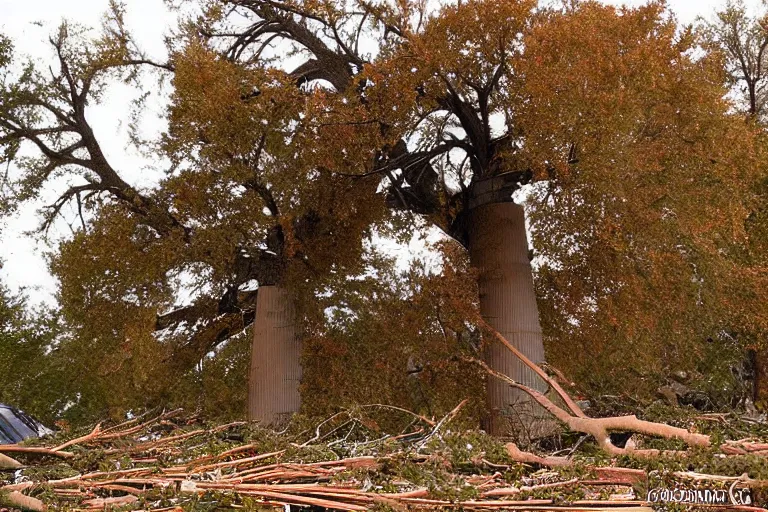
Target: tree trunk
[
  {"x": 498, "y": 247},
  {"x": 273, "y": 390}
]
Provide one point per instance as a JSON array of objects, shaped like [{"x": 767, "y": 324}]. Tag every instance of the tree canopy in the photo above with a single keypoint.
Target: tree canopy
[
  {"x": 742, "y": 39},
  {"x": 34, "y": 371},
  {"x": 299, "y": 129}
]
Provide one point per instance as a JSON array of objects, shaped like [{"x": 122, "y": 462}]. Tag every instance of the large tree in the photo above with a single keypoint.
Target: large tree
[
  {"x": 742, "y": 39},
  {"x": 293, "y": 125},
  {"x": 237, "y": 207}
]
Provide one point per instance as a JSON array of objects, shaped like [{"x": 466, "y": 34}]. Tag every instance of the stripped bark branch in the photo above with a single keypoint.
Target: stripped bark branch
[{"x": 7, "y": 462}]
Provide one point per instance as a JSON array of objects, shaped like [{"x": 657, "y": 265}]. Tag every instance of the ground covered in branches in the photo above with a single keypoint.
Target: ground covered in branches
[{"x": 372, "y": 457}]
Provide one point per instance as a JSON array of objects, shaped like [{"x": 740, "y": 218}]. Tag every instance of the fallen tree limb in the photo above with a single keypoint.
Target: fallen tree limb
[
  {"x": 301, "y": 500},
  {"x": 104, "y": 503},
  {"x": 154, "y": 444},
  {"x": 34, "y": 450},
  {"x": 7, "y": 462},
  {"x": 572, "y": 405},
  {"x": 530, "y": 458},
  {"x": 448, "y": 417},
  {"x": 116, "y": 432},
  {"x": 604, "y": 475},
  {"x": 330, "y": 483},
  {"x": 22, "y": 501},
  {"x": 507, "y": 491},
  {"x": 599, "y": 428},
  {"x": 93, "y": 435},
  {"x": 237, "y": 462}
]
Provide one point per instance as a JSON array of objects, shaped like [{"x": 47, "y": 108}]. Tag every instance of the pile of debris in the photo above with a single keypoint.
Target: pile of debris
[
  {"x": 346, "y": 462},
  {"x": 175, "y": 463}
]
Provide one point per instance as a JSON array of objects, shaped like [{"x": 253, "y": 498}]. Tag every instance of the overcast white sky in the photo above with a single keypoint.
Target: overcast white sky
[
  {"x": 23, "y": 256},
  {"x": 24, "y": 263}
]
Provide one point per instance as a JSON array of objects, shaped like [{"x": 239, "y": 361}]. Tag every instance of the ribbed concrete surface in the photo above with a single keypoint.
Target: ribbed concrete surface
[
  {"x": 499, "y": 249},
  {"x": 273, "y": 389}
]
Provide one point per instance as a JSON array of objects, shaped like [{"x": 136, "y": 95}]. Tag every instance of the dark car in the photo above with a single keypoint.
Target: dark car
[{"x": 16, "y": 426}]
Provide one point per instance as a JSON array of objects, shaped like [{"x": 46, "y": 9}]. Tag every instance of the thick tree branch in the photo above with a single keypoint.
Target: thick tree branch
[
  {"x": 205, "y": 326},
  {"x": 69, "y": 118},
  {"x": 599, "y": 428},
  {"x": 572, "y": 405},
  {"x": 277, "y": 17}
]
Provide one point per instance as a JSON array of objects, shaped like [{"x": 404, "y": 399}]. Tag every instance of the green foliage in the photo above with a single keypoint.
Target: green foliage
[
  {"x": 396, "y": 341},
  {"x": 216, "y": 387},
  {"x": 35, "y": 376}
]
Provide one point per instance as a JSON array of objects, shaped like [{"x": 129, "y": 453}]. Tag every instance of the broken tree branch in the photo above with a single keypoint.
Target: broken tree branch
[
  {"x": 7, "y": 462},
  {"x": 34, "y": 450},
  {"x": 572, "y": 405}
]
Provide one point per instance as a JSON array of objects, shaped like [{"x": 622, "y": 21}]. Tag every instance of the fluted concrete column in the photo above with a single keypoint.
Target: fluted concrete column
[
  {"x": 498, "y": 247},
  {"x": 273, "y": 388}
]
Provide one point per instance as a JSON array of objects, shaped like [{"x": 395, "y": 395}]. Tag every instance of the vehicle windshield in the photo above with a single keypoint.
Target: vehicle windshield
[{"x": 16, "y": 426}]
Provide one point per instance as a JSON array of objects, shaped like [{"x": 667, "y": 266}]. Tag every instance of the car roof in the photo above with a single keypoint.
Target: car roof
[{"x": 16, "y": 426}]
